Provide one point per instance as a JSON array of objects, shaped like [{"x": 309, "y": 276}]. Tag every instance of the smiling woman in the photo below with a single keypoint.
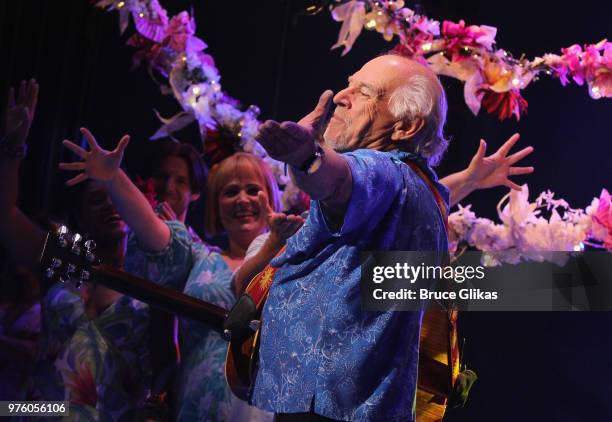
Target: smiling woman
[
  {"x": 243, "y": 193},
  {"x": 234, "y": 206}
]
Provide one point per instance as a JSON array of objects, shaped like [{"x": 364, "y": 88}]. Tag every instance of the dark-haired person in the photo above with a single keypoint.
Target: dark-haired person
[
  {"x": 236, "y": 187},
  {"x": 179, "y": 175},
  {"x": 93, "y": 351}
]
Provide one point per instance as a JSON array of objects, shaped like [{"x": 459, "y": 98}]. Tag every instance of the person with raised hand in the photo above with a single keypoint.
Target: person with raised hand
[
  {"x": 171, "y": 257},
  {"x": 488, "y": 172},
  {"x": 86, "y": 356}
]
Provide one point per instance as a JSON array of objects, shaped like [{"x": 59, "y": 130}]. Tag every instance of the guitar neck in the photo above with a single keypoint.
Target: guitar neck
[{"x": 161, "y": 297}]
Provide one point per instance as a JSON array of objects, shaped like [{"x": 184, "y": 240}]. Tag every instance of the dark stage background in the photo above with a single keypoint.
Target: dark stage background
[{"x": 532, "y": 366}]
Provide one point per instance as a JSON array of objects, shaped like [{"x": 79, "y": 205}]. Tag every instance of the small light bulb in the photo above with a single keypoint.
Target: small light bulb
[
  {"x": 141, "y": 15},
  {"x": 371, "y": 24},
  {"x": 120, "y": 4},
  {"x": 515, "y": 82},
  {"x": 427, "y": 46},
  {"x": 195, "y": 90}
]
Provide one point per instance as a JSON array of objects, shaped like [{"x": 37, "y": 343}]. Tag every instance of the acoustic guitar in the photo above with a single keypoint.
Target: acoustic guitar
[
  {"x": 68, "y": 258},
  {"x": 438, "y": 350}
]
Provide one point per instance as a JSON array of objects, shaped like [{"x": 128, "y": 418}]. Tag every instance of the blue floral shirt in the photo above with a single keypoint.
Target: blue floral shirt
[
  {"x": 319, "y": 350},
  {"x": 202, "y": 394}
]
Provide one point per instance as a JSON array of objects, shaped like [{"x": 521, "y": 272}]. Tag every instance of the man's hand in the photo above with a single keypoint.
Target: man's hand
[
  {"x": 494, "y": 170},
  {"x": 282, "y": 226},
  {"x": 99, "y": 163},
  {"x": 294, "y": 143},
  {"x": 20, "y": 113}
]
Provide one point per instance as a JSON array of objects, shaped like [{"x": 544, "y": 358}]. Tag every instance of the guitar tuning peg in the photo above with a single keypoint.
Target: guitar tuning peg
[
  {"x": 49, "y": 272},
  {"x": 56, "y": 263},
  {"x": 84, "y": 276},
  {"x": 90, "y": 245},
  {"x": 62, "y": 231},
  {"x": 70, "y": 269},
  {"x": 76, "y": 244},
  {"x": 227, "y": 334}
]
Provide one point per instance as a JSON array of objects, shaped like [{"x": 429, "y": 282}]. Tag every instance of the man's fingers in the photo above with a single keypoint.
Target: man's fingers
[
  {"x": 294, "y": 130},
  {"x": 90, "y": 139},
  {"x": 72, "y": 166},
  {"x": 266, "y": 132},
  {"x": 323, "y": 112},
  {"x": 515, "y": 171},
  {"x": 75, "y": 148},
  {"x": 273, "y": 138},
  {"x": 482, "y": 150},
  {"x": 512, "y": 185},
  {"x": 123, "y": 143},
  {"x": 77, "y": 179},
  {"x": 519, "y": 155},
  {"x": 507, "y": 146}
]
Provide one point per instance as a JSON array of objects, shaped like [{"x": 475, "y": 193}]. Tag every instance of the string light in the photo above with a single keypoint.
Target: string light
[
  {"x": 120, "y": 4},
  {"x": 427, "y": 46}
]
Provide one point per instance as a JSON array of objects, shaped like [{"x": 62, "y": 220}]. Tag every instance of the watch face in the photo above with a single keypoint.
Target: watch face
[{"x": 315, "y": 164}]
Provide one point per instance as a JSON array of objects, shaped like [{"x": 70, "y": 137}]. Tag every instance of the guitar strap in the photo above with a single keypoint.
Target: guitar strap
[{"x": 453, "y": 346}]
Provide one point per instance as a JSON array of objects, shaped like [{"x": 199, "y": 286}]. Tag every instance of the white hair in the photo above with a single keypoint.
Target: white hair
[{"x": 423, "y": 97}]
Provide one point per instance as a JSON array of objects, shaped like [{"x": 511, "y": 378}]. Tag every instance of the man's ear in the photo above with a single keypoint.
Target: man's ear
[
  {"x": 194, "y": 197},
  {"x": 404, "y": 131}
]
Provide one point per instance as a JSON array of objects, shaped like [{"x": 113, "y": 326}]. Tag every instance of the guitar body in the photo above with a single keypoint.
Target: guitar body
[
  {"x": 438, "y": 364},
  {"x": 438, "y": 359}
]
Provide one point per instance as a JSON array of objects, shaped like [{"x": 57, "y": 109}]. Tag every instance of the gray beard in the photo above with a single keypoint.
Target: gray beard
[{"x": 336, "y": 146}]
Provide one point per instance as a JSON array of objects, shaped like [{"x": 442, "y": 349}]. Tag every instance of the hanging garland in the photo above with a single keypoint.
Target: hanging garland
[
  {"x": 525, "y": 234},
  {"x": 492, "y": 77},
  {"x": 169, "y": 48}
]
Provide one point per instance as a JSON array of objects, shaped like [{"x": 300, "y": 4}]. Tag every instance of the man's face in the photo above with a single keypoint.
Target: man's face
[
  {"x": 173, "y": 185},
  {"x": 362, "y": 118},
  {"x": 99, "y": 217}
]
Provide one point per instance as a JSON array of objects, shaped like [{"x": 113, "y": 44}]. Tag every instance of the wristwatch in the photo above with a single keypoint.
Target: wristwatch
[{"x": 313, "y": 163}]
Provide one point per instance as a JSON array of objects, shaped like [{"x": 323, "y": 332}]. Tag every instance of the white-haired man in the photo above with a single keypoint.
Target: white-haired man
[{"x": 321, "y": 356}]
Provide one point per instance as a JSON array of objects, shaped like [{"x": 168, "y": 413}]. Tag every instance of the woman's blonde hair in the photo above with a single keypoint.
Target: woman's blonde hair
[{"x": 221, "y": 173}]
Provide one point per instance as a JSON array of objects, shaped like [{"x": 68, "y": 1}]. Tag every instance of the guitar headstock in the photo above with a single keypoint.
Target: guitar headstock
[{"x": 68, "y": 257}]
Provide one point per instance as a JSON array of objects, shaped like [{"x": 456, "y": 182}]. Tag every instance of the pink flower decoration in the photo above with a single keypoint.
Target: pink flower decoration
[
  {"x": 459, "y": 36},
  {"x": 428, "y": 27},
  {"x": 179, "y": 34},
  {"x": 603, "y": 216},
  {"x": 505, "y": 104},
  {"x": 153, "y": 26}
]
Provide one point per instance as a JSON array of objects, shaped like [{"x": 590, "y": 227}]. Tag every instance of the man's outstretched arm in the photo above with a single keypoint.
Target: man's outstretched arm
[{"x": 326, "y": 178}]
